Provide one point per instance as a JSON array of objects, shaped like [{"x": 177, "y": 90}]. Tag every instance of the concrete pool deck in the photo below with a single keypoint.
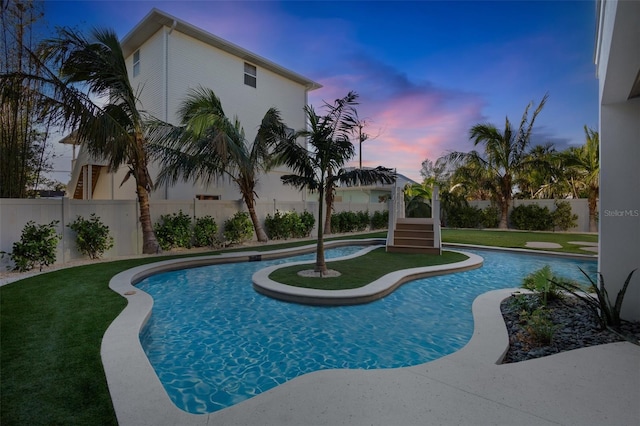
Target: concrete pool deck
[{"x": 599, "y": 385}]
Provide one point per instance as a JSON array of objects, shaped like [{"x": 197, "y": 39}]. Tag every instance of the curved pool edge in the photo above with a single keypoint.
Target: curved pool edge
[
  {"x": 365, "y": 294},
  {"x": 139, "y": 397}
]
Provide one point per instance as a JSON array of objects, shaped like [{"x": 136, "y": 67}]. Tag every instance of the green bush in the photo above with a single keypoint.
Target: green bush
[
  {"x": 37, "y": 246},
  {"x": 289, "y": 225},
  {"x": 174, "y": 230},
  {"x": 562, "y": 216},
  {"x": 238, "y": 228},
  {"x": 307, "y": 223},
  {"x": 531, "y": 218},
  {"x": 205, "y": 232},
  {"x": 464, "y": 216},
  {"x": 92, "y": 236},
  {"x": 349, "y": 221},
  {"x": 491, "y": 217},
  {"x": 380, "y": 220}
]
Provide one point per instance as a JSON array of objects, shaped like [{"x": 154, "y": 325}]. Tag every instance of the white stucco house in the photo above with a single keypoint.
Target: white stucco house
[
  {"x": 165, "y": 58},
  {"x": 617, "y": 57}
]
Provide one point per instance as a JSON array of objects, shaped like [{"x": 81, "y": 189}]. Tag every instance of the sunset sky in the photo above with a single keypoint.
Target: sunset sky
[{"x": 426, "y": 71}]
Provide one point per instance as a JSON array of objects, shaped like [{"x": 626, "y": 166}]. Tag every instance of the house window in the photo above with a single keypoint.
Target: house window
[
  {"x": 207, "y": 197},
  {"x": 250, "y": 75},
  {"x": 136, "y": 63}
]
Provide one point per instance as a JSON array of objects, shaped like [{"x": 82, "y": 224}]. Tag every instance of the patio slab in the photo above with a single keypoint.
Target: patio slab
[{"x": 542, "y": 245}]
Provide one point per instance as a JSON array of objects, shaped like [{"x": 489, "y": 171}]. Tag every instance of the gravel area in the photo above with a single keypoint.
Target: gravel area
[{"x": 575, "y": 326}]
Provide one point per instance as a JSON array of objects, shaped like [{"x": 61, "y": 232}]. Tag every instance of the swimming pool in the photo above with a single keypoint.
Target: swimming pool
[{"x": 214, "y": 341}]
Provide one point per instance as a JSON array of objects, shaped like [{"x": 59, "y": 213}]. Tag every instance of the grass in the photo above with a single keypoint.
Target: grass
[
  {"x": 362, "y": 270},
  {"x": 516, "y": 239},
  {"x": 51, "y": 326}
]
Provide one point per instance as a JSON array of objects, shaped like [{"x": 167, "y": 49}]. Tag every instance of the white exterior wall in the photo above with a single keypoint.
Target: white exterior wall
[
  {"x": 618, "y": 64},
  {"x": 191, "y": 63},
  {"x": 171, "y": 63}
]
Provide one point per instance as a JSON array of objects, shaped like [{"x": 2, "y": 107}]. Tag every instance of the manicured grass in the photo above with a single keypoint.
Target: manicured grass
[
  {"x": 516, "y": 239},
  {"x": 362, "y": 270},
  {"x": 51, "y": 330}
]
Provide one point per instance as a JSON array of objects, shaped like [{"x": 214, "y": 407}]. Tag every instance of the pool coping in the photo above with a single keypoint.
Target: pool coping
[
  {"x": 368, "y": 293},
  {"x": 139, "y": 397}
]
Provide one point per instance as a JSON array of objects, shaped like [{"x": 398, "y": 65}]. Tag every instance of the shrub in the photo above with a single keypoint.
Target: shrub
[
  {"x": 307, "y": 223},
  {"x": 238, "y": 228},
  {"x": 349, "y": 221},
  {"x": 174, "y": 230},
  {"x": 464, "y": 216},
  {"x": 562, "y": 216},
  {"x": 542, "y": 282},
  {"x": 92, "y": 236},
  {"x": 37, "y": 246},
  {"x": 531, "y": 218},
  {"x": 289, "y": 225},
  {"x": 490, "y": 217},
  {"x": 540, "y": 326},
  {"x": 205, "y": 232},
  {"x": 380, "y": 220}
]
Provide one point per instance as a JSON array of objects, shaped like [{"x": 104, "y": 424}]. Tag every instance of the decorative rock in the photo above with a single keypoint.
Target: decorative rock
[{"x": 577, "y": 327}]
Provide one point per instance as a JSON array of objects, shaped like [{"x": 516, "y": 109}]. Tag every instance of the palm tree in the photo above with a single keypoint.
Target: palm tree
[
  {"x": 115, "y": 131},
  {"x": 503, "y": 158},
  {"x": 543, "y": 174},
  {"x": 319, "y": 166},
  {"x": 584, "y": 162},
  {"x": 208, "y": 145},
  {"x": 417, "y": 198}
]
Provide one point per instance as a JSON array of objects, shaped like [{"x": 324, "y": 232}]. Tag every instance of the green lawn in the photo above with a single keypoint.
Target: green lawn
[
  {"x": 51, "y": 326},
  {"x": 516, "y": 239}
]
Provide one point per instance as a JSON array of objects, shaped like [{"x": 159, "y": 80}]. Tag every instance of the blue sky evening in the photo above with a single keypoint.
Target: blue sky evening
[{"x": 426, "y": 71}]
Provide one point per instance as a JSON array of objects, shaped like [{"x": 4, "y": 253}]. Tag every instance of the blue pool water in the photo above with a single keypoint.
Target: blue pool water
[{"x": 214, "y": 341}]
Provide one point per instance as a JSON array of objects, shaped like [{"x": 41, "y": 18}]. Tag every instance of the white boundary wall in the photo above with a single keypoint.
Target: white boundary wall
[{"x": 121, "y": 216}]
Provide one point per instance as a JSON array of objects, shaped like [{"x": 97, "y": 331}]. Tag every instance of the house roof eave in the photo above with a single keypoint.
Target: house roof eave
[{"x": 157, "y": 19}]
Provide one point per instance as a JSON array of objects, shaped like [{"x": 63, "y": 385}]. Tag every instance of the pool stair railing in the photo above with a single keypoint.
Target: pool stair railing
[{"x": 414, "y": 235}]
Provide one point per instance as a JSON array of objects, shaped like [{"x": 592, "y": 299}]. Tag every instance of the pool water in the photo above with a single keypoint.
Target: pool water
[{"x": 215, "y": 342}]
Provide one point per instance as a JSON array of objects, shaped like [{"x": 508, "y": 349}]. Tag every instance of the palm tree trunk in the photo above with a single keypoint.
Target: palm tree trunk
[
  {"x": 327, "y": 216},
  {"x": 149, "y": 242},
  {"x": 321, "y": 265},
  {"x": 257, "y": 227},
  {"x": 504, "y": 216},
  {"x": 593, "y": 200}
]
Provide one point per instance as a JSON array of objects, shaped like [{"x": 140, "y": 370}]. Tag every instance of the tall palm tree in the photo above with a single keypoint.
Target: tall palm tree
[
  {"x": 115, "y": 131},
  {"x": 503, "y": 157},
  {"x": 543, "y": 174},
  {"x": 585, "y": 164},
  {"x": 319, "y": 166},
  {"x": 208, "y": 145}
]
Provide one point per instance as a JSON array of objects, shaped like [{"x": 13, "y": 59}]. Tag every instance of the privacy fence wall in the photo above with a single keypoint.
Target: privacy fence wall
[{"x": 121, "y": 216}]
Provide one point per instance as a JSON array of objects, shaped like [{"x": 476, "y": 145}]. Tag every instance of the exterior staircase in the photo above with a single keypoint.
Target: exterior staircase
[{"x": 414, "y": 235}]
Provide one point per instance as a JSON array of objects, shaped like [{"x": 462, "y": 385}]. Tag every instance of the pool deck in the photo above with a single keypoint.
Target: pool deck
[{"x": 599, "y": 385}]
